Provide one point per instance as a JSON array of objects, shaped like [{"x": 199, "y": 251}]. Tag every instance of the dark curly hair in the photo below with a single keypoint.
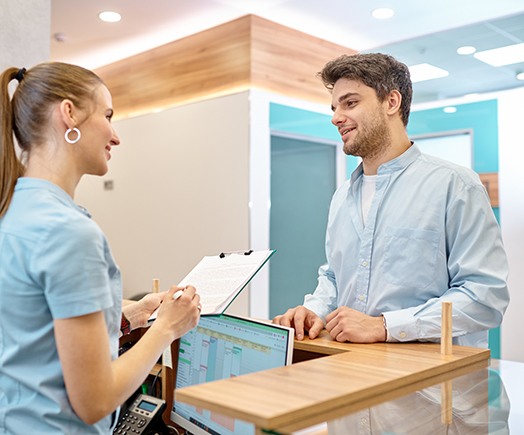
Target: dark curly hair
[{"x": 379, "y": 71}]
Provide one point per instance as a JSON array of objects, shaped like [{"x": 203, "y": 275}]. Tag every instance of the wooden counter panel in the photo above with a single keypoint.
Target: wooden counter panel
[{"x": 363, "y": 375}]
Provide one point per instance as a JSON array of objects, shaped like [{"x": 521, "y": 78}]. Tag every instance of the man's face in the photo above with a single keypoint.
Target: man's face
[{"x": 360, "y": 119}]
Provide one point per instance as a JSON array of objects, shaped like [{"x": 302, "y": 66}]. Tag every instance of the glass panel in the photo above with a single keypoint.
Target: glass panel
[{"x": 476, "y": 403}]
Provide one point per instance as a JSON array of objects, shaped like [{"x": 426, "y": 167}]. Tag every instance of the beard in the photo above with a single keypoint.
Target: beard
[{"x": 371, "y": 139}]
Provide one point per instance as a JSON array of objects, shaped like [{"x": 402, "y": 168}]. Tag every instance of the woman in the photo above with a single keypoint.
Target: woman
[{"x": 60, "y": 289}]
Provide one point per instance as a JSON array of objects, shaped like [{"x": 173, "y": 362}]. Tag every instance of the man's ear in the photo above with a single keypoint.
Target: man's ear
[
  {"x": 68, "y": 114},
  {"x": 393, "y": 100}
]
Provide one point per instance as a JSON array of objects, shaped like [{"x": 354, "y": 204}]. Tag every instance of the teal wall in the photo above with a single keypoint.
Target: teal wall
[
  {"x": 482, "y": 119},
  {"x": 301, "y": 122},
  {"x": 303, "y": 180},
  {"x": 305, "y": 123}
]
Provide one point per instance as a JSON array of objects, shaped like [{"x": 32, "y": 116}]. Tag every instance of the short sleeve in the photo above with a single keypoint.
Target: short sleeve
[{"x": 72, "y": 269}]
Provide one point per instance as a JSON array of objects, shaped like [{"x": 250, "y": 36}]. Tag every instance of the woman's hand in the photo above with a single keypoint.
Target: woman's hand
[
  {"x": 180, "y": 315},
  {"x": 138, "y": 312}
]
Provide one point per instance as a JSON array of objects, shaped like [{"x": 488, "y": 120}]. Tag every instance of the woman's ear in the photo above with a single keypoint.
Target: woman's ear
[
  {"x": 68, "y": 114},
  {"x": 393, "y": 99}
]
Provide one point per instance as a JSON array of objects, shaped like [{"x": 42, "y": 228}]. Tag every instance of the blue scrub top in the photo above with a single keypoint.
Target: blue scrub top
[{"x": 55, "y": 263}]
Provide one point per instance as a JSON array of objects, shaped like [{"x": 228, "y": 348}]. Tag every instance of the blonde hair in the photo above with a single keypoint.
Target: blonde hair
[{"x": 26, "y": 116}]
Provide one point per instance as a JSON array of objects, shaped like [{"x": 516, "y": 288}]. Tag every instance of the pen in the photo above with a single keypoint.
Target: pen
[{"x": 177, "y": 294}]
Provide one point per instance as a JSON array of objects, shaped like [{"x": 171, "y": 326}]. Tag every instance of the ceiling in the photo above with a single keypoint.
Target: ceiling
[{"x": 420, "y": 31}]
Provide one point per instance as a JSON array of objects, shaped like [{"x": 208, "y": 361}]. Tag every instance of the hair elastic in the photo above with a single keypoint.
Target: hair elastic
[{"x": 20, "y": 74}]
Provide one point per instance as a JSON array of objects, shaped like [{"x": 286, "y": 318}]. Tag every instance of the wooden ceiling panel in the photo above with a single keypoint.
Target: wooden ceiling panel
[{"x": 244, "y": 53}]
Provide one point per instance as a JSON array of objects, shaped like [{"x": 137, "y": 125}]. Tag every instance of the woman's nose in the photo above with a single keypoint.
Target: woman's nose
[{"x": 115, "y": 140}]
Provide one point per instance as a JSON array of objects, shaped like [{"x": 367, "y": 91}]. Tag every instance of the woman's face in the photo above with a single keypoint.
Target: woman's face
[{"x": 98, "y": 135}]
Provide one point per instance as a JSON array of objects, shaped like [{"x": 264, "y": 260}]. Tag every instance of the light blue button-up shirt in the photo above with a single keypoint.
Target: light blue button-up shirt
[{"x": 430, "y": 236}]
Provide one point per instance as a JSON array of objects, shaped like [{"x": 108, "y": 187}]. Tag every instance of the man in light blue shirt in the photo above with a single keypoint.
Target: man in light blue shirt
[{"x": 406, "y": 232}]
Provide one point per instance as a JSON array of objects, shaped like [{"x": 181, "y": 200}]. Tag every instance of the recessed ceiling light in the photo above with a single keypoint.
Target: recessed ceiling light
[
  {"x": 466, "y": 49},
  {"x": 425, "y": 71},
  {"x": 503, "y": 55},
  {"x": 382, "y": 13},
  {"x": 520, "y": 76},
  {"x": 449, "y": 109},
  {"x": 110, "y": 17}
]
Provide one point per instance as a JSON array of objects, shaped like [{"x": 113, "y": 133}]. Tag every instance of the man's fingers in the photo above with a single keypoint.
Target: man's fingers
[
  {"x": 332, "y": 315},
  {"x": 282, "y": 320},
  {"x": 316, "y": 327},
  {"x": 300, "y": 318},
  {"x": 331, "y": 323},
  {"x": 298, "y": 322}
]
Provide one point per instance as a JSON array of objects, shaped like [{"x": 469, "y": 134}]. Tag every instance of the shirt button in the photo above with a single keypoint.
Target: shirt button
[
  {"x": 361, "y": 298},
  {"x": 364, "y": 263},
  {"x": 402, "y": 334}
]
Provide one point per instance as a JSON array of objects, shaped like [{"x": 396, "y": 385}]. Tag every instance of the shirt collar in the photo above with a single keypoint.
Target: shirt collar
[
  {"x": 37, "y": 183},
  {"x": 398, "y": 163}
]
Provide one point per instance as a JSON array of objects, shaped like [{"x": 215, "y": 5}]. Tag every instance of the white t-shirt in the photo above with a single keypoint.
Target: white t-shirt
[{"x": 368, "y": 192}]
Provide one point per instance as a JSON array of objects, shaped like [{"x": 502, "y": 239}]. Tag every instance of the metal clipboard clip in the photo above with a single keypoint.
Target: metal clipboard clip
[{"x": 225, "y": 254}]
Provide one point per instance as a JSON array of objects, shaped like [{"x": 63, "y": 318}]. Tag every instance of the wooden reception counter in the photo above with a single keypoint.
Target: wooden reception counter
[{"x": 330, "y": 380}]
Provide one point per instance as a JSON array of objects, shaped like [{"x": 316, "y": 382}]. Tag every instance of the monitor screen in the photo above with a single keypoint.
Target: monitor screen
[{"x": 222, "y": 347}]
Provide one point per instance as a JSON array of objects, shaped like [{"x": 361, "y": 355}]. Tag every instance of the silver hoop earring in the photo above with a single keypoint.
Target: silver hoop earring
[{"x": 75, "y": 140}]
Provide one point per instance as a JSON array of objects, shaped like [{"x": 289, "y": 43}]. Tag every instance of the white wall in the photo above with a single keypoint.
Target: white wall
[
  {"x": 180, "y": 191},
  {"x": 24, "y": 33},
  {"x": 511, "y": 192}
]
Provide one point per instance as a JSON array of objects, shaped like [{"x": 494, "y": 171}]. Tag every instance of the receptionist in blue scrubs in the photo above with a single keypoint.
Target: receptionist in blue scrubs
[{"x": 60, "y": 287}]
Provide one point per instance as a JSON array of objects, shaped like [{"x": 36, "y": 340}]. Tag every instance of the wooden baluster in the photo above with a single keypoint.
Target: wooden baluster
[
  {"x": 156, "y": 285},
  {"x": 446, "y": 348}
]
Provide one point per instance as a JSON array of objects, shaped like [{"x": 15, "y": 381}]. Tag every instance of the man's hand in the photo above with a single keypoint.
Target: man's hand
[
  {"x": 302, "y": 320},
  {"x": 346, "y": 324}
]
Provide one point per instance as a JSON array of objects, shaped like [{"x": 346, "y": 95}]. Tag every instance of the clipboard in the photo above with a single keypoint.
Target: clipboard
[{"x": 219, "y": 279}]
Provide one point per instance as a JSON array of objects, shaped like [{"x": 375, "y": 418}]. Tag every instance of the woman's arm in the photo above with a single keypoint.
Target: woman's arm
[{"x": 95, "y": 385}]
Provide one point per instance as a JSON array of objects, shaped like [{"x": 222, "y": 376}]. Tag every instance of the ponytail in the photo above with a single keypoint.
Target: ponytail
[{"x": 10, "y": 166}]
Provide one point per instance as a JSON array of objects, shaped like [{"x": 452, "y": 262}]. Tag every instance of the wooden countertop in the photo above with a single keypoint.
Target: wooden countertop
[{"x": 350, "y": 377}]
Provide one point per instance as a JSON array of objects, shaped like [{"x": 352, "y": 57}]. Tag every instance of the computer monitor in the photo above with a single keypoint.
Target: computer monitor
[{"x": 222, "y": 347}]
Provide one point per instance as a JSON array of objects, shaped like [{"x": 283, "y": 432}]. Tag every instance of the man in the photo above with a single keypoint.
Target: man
[{"x": 406, "y": 232}]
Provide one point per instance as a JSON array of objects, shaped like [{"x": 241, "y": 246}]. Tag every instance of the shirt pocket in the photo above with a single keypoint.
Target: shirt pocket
[{"x": 410, "y": 256}]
